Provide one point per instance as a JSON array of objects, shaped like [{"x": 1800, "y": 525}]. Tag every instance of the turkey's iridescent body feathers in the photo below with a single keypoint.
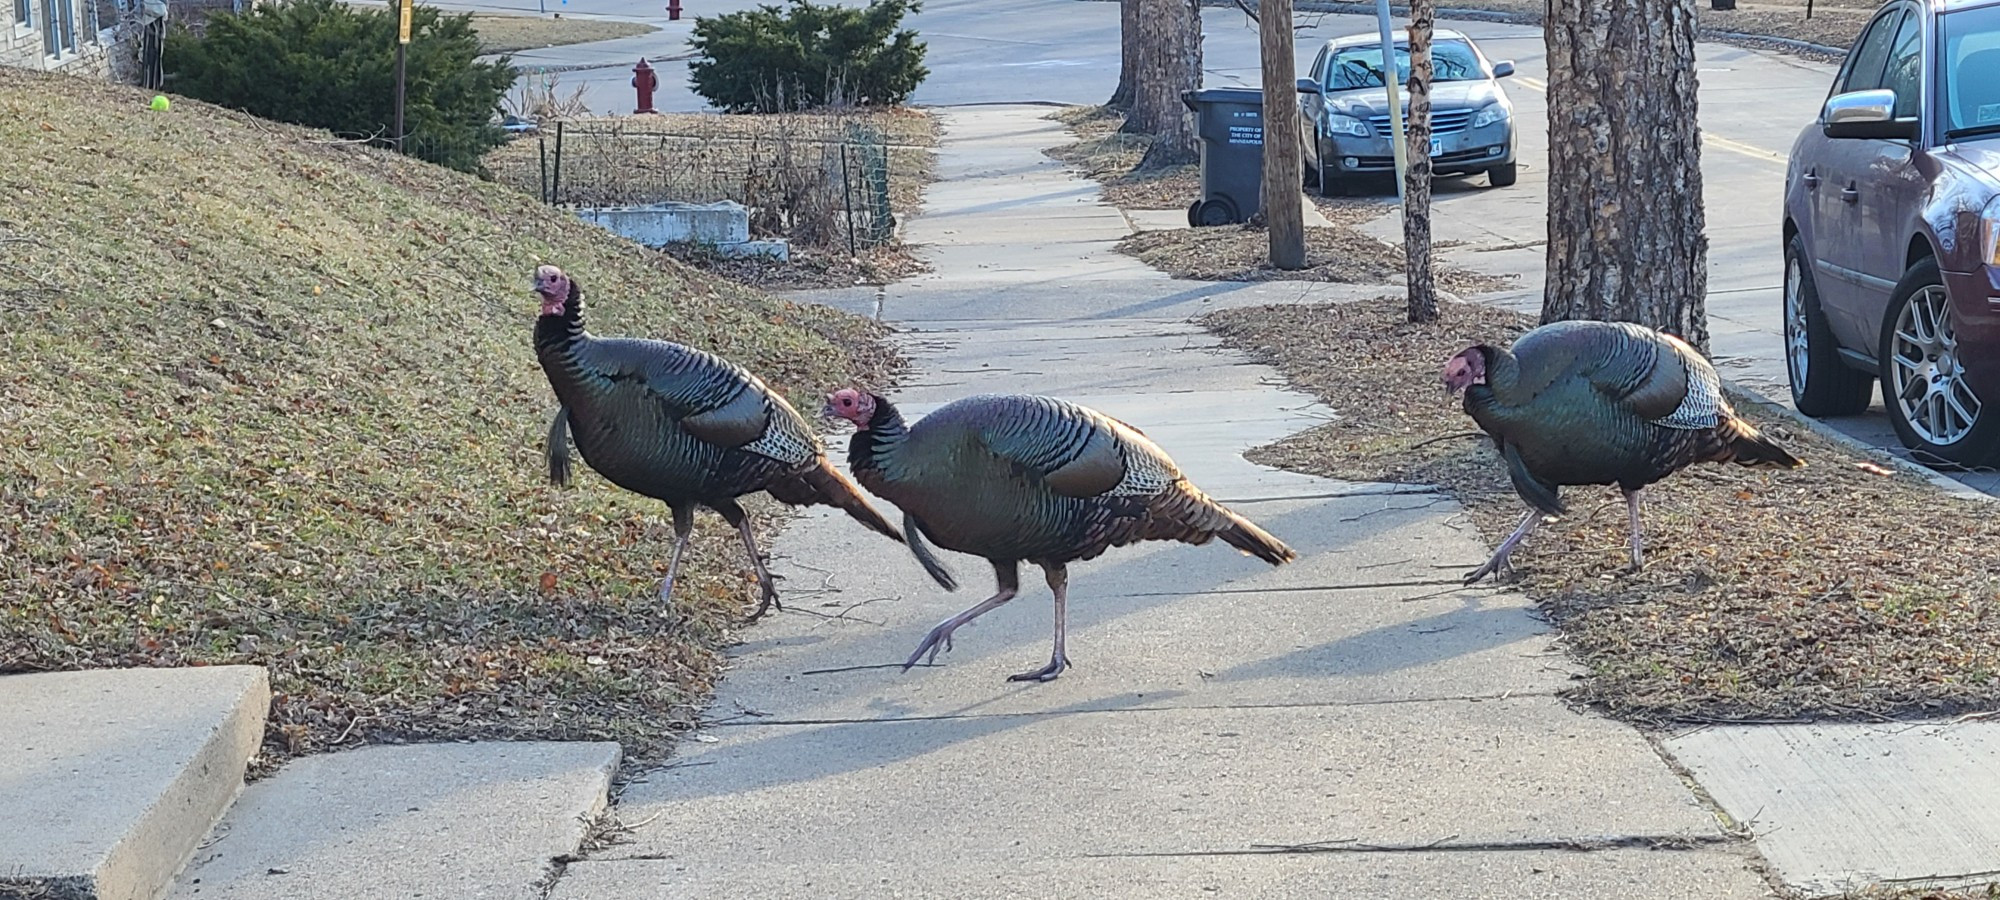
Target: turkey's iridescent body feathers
[
  {"x": 1575, "y": 403},
  {"x": 1041, "y": 480},
  {"x": 685, "y": 427},
  {"x": 1017, "y": 478}
]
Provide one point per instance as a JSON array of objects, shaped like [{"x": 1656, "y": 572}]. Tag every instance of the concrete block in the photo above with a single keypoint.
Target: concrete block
[
  {"x": 426, "y": 820},
  {"x": 778, "y": 250},
  {"x": 657, "y": 224},
  {"x": 110, "y": 779}
]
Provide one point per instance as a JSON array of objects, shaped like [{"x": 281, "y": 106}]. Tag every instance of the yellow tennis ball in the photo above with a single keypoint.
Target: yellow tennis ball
[{"x": 160, "y": 102}]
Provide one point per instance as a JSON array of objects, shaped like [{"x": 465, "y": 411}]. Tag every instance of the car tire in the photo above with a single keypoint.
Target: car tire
[
  {"x": 1823, "y": 384},
  {"x": 1933, "y": 410},
  {"x": 1503, "y": 176}
]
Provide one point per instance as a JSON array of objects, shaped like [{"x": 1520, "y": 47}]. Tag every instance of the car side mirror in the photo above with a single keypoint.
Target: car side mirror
[
  {"x": 1865, "y": 114},
  {"x": 1503, "y": 68},
  {"x": 1308, "y": 86}
]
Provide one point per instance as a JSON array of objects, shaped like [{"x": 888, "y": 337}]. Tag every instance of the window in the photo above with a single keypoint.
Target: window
[
  {"x": 1904, "y": 72},
  {"x": 24, "y": 13},
  {"x": 1968, "y": 96},
  {"x": 1360, "y": 66},
  {"x": 1864, "y": 66}
]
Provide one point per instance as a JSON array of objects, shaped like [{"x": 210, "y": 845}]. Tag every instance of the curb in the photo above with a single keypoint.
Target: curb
[{"x": 1939, "y": 480}]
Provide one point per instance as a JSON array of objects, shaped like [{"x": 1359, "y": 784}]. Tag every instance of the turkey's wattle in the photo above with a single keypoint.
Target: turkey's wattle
[
  {"x": 1575, "y": 403},
  {"x": 682, "y": 426},
  {"x": 1016, "y": 478}
]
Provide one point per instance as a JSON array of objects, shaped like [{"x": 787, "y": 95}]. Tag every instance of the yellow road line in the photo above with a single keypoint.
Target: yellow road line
[{"x": 1710, "y": 138}]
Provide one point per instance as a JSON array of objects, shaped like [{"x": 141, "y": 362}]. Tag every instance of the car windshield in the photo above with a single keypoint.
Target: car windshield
[
  {"x": 1969, "y": 76},
  {"x": 1360, "y": 66}
]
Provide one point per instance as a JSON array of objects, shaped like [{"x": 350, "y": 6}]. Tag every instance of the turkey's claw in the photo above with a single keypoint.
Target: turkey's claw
[
  {"x": 769, "y": 602},
  {"x": 939, "y": 637},
  {"x": 1046, "y": 673}
]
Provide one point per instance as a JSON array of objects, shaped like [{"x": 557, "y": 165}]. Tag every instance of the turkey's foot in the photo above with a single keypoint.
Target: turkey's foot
[
  {"x": 1499, "y": 563},
  {"x": 1638, "y": 540},
  {"x": 940, "y": 637},
  {"x": 1046, "y": 673},
  {"x": 769, "y": 601}
]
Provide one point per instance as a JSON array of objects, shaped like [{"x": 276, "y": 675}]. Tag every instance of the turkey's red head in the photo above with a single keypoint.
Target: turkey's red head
[
  {"x": 854, "y": 406},
  {"x": 555, "y": 289},
  {"x": 1465, "y": 370}
]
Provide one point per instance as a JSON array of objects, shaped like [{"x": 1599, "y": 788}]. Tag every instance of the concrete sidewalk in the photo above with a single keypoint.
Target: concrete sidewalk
[{"x": 1359, "y": 702}]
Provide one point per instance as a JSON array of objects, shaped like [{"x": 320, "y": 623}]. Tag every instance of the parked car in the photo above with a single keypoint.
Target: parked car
[
  {"x": 1346, "y": 110},
  {"x": 1891, "y": 220}
]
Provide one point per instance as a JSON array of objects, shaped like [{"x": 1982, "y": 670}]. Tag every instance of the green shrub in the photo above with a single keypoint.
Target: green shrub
[
  {"x": 325, "y": 64},
  {"x": 770, "y": 59}
]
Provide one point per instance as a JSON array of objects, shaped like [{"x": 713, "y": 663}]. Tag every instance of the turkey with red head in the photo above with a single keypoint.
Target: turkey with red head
[
  {"x": 1585, "y": 402},
  {"x": 682, "y": 426},
  {"x": 1016, "y": 478}
]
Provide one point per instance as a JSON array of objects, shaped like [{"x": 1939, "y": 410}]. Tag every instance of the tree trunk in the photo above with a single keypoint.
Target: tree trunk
[
  {"x": 1169, "y": 62},
  {"x": 1626, "y": 238},
  {"x": 1284, "y": 168},
  {"x": 1417, "y": 177},
  {"x": 1128, "y": 55}
]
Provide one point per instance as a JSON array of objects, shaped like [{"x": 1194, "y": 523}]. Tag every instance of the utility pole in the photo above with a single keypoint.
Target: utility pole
[
  {"x": 1395, "y": 102},
  {"x": 1284, "y": 172},
  {"x": 402, "y": 48}
]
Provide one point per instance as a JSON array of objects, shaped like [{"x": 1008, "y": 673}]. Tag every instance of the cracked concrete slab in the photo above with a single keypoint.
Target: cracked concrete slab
[
  {"x": 110, "y": 779},
  {"x": 479, "y": 819},
  {"x": 1846, "y": 807},
  {"x": 1526, "y": 875}
]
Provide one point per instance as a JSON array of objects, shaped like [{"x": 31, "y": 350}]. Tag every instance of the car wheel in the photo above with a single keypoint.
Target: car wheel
[
  {"x": 1822, "y": 383},
  {"x": 1933, "y": 409},
  {"x": 1503, "y": 176},
  {"x": 1310, "y": 169}
]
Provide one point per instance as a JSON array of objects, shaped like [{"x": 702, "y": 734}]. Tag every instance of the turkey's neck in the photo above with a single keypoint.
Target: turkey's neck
[
  {"x": 558, "y": 334},
  {"x": 872, "y": 450},
  {"x": 557, "y": 340},
  {"x": 1503, "y": 374},
  {"x": 1487, "y": 403}
]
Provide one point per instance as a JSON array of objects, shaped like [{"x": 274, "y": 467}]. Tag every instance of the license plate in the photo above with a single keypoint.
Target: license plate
[{"x": 1437, "y": 147}]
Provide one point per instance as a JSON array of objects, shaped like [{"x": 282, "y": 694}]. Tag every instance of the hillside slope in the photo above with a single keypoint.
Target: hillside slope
[{"x": 271, "y": 399}]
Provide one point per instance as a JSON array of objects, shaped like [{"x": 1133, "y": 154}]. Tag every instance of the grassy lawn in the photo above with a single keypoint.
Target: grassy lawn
[
  {"x": 1843, "y": 589},
  {"x": 501, "y": 33},
  {"x": 274, "y": 402}
]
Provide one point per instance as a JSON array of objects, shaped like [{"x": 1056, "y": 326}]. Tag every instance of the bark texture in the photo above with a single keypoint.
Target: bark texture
[
  {"x": 1128, "y": 55},
  {"x": 1169, "y": 62},
  {"x": 1417, "y": 177},
  {"x": 1284, "y": 172},
  {"x": 1626, "y": 240}
]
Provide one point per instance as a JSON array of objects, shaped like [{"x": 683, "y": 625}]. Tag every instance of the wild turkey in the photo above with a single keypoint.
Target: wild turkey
[
  {"x": 681, "y": 426},
  {"x": 1014, "y": 478},
  {"x": 1575, "y": 403}
]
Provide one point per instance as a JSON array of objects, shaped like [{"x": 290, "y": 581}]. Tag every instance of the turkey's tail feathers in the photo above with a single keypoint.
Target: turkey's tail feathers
[
  {"x": 1749, "y": 447},
  {"x": 558, "y": 449},
  {"x": 1183, "y": 513},
  {"x": 824, "y": 484},
  {"x": 1244, "y": 535},
  {"x": 914, "y": 531}
]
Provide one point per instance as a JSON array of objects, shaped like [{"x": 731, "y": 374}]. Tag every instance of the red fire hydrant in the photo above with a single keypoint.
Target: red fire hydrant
[
  {"x": 646, "y": 81},
  {"x": 673, "y": 10}
]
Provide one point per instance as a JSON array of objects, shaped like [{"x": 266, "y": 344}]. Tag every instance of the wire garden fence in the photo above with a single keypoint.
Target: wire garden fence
[{"x": 823, "y": 180}]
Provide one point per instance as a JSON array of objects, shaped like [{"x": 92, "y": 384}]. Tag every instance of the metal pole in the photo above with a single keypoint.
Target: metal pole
[
  {"x": 847, "y": 189},
  {"x": 555, "y": 186},
  {"x": 1395, "y": 100},
  {"x": 402, "y": 45},
  {"x": 542, "y": 149}
]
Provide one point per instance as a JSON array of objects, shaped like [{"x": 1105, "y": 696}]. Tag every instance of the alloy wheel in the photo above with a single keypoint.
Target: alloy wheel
[{"x": 1926, "y": 379}]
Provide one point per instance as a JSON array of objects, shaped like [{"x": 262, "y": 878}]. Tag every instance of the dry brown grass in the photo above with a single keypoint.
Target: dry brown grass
[
  {"x": 1242, "y": 253},
  {"x": 501, "y": 33},
  {"x": 273, "y": 401},
  {"x": 788, "y": 168},
  {"x": 808, "y": 269},
  {"x": 1111, "y": 158},
  {"x": 1840, "y": 589}
]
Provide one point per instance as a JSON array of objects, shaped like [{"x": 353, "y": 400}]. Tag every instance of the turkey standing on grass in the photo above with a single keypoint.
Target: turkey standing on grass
[
  {"x": 1014, "y": 478},
  {"x": 1576, "y": 403},
  {"x": 681, "y": 426}
]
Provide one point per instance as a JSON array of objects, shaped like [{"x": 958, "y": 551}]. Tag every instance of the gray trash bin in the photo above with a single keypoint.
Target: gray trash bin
[{"x": 1229, "y": 122}]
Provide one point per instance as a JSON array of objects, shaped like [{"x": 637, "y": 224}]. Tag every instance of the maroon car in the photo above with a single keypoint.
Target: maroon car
[{"x": 1892, "y": 216}]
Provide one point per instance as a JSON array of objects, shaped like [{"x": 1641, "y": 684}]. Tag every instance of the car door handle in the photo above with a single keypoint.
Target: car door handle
[
  {"x": 1812, "y": 180},
  {"x": 1848, "y": 194}
]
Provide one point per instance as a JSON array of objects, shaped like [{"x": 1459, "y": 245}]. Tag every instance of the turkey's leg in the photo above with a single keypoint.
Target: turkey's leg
[
  {"x": 1638, "y": 543},
  {"x": 1008, "y": 575},
  {"x": 735, "y": 516},
  {"x": 683, "y": 530},
  {"x": 1499, "y": 560},
  {"x": 1059, "y": 660}
]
